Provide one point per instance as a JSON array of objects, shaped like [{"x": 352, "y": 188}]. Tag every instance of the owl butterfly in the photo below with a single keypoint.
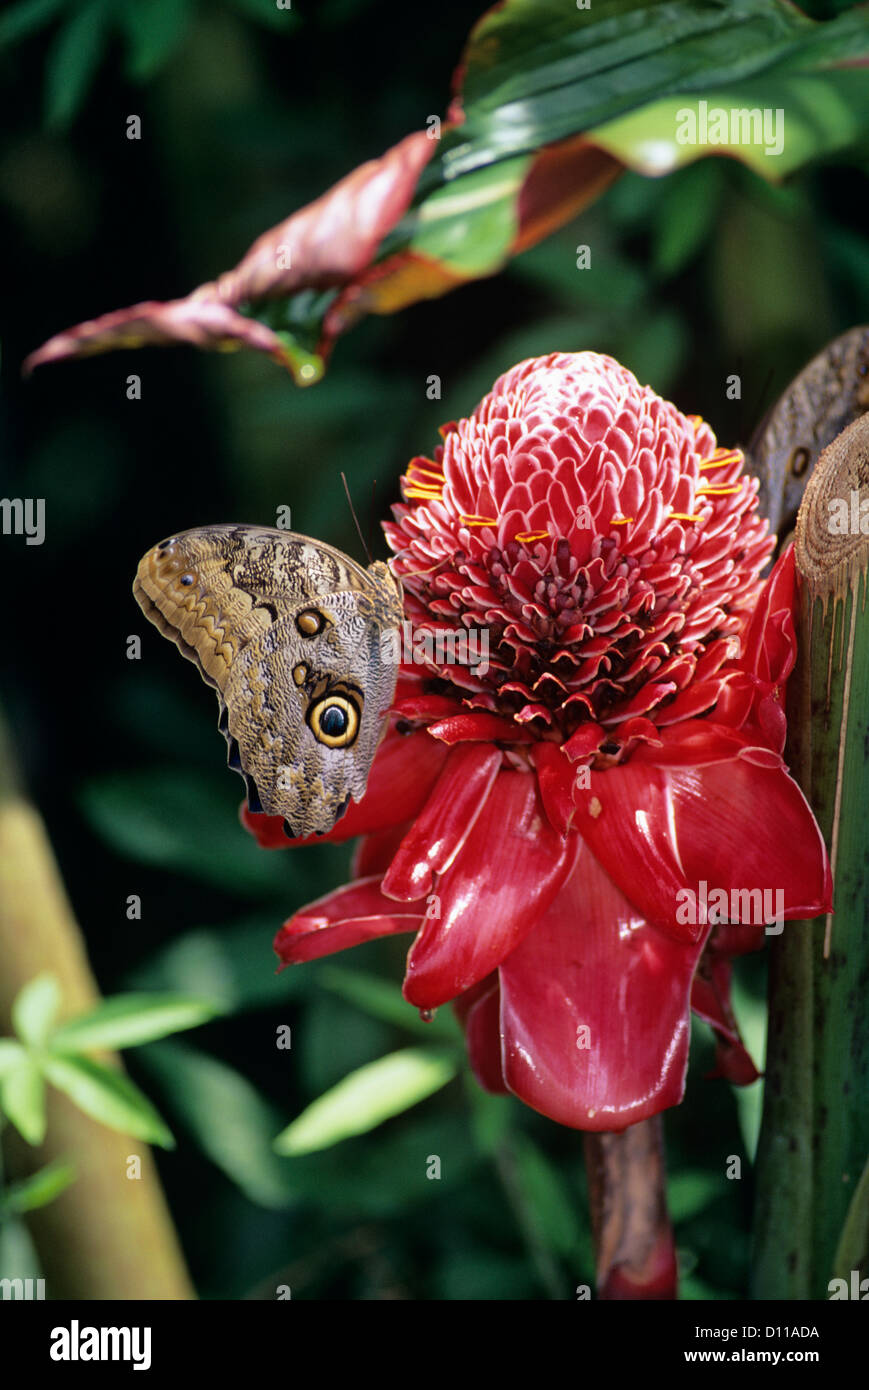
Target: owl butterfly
[
  {"x": 827, "y": 395},
  {"x": 288, "y": 631}
]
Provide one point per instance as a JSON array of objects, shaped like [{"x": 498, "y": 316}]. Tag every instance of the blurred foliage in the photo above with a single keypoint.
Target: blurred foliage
[{"x": 694, "y": 277}]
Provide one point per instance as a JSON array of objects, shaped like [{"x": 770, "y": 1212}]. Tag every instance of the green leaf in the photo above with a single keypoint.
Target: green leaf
[
  {"x": 154, "y": 30},
  {"x": 22, "y": 1100},
  {"x": 130, "y": 1019},
  {"x": 108, "y": 1096},
  {"x": 820, "y": 117},
  {"x": 38, "y": 1190},
  {"x": 385, "y": 1001},
  {"x": 72, "y": 62},
  {"x": 470, "y": 224},
  {"x": 12, "y": 1055},
  {"x": 20, "y": 21},
  {"x": 234, "y": 966},
  {"x": 34, "y": 1009},
  {"x": 184, "y": 821},
  {"x": 852, "y": 1251},
  {"x": 690, "y": 1191},
  {"x": 684, "y": 218},
  {"x": 554, "y": 1207},
  {"x": 367, "y": 1097},
  {"x": 226, "y": 1116}
]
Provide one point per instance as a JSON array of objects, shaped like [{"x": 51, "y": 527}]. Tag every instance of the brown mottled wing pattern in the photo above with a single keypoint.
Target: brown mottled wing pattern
[
  {"x": 826, "y": 396},
  {"x": 288, "y": 631}
]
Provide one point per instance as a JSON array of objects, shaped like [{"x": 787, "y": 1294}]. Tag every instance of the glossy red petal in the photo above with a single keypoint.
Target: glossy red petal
[
  {"x": 486, "y": 727},
  {"x": 344, "y": 918},
  {"x": 480, "y": 1017},
  {"x": 508, "y": 873},
  {"x": 445, "y": 822},
  {"x": 697, "y": 742},
  {"x": 594, "y": 1009},
  {"x": 733, "y": 826},
  {"x": 555, "y": 776}
]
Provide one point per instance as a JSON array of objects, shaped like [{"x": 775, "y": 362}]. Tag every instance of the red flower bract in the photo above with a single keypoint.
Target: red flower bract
[{"x": 584, "y": 771}]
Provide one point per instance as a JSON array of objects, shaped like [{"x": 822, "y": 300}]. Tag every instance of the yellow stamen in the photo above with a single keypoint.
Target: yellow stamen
[
  {"x": 685, "y": 516},
  {"x": 620, "y": 520},
  {"x": 430, "y": 472},
  {"x": 478, "y": 520},
  {"x": 426, "y": 496},
  {"x": 528, "y": 536},
  {"x": 704, "y": 491},
  {"x": 721, "y": 458}
]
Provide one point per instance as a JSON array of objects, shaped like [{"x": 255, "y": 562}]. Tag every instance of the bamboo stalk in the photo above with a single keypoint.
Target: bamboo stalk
[
  {"x": 108, "y": 1236},
  {"x": 815, "y": 1132}
]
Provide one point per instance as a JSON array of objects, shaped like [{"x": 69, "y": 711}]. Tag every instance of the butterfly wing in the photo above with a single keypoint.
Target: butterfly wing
[
  {"x": 826, "y": 396},
  {"x": 288, "y": 631}
]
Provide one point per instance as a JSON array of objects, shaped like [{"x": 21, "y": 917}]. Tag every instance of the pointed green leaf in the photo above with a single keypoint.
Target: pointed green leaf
[
  {"x": 226, "y": 1116},
  {"x": 131, "y": 1019},
  {"x": 38, "y": 1190},
  {"x": 367, "y": 1097},
  {"x": 22, "y": 1100},
  {"x": 108, "y": 1096},
  {"x": 34, "y": 1009},
  {"x": 26, "y": 18},
  {"x": 12, "y": 1054},
  {"x": 72, "y": 62},
  {"x": 852, "y": 1252}
]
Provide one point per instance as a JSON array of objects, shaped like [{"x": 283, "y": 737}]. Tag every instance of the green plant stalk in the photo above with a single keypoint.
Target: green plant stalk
[
  {"x": 815, "y": 1132},
  {"x": 108, "y": 1236}
]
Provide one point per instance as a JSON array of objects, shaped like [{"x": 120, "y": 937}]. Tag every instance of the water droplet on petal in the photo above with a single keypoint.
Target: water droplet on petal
[{"x": 427, "y": 1015}]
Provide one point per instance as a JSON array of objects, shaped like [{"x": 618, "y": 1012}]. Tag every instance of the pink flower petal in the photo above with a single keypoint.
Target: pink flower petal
[
  {"x": 736, "y": 826},
  {"x": 445, "y": 822},
  {"x": 591, "y": 963},
  {"x": 344, "y": 918},
  {"x": 508, "y": 873}
]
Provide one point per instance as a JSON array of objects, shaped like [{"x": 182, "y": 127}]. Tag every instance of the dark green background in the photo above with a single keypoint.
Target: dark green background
[{"x": 693, "y": 278}]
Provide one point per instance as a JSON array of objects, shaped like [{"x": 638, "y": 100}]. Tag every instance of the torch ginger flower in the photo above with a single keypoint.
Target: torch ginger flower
[{"x": 542, "y": 827}]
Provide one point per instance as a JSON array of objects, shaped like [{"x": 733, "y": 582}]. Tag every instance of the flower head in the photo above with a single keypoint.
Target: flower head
[{"x": 563, "y": 825}]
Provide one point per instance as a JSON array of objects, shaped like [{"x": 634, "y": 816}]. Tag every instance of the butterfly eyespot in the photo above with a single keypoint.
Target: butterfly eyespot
[
  {"x": 334, "y": 721},
  {"x": 310, "y": 621},
  {"x": 799, "y": 461},
  {"x": 300, "y": 673},
  {"x": 186, "y": 580}
]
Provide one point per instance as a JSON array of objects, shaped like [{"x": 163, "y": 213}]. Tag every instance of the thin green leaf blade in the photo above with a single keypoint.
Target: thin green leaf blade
[
  {"x": 109, "y": 1097},
  {"x": 38, "y": 1190},
  {"x": 72, "y": 63},
  {"x": 35, "y": 1007},
  {"x": 22, "y": 1100},
  {"x": 367, "y": 1097},
  {"x": 131, "y": 1019}
]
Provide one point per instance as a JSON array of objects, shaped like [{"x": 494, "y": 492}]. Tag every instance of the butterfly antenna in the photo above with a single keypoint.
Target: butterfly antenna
[
  {"x": 365, "y": 547},
  {"x": 372, "y": 516}
]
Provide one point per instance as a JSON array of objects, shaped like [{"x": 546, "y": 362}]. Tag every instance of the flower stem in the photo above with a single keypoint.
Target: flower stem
[{"x": 633, "y": 1238}]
